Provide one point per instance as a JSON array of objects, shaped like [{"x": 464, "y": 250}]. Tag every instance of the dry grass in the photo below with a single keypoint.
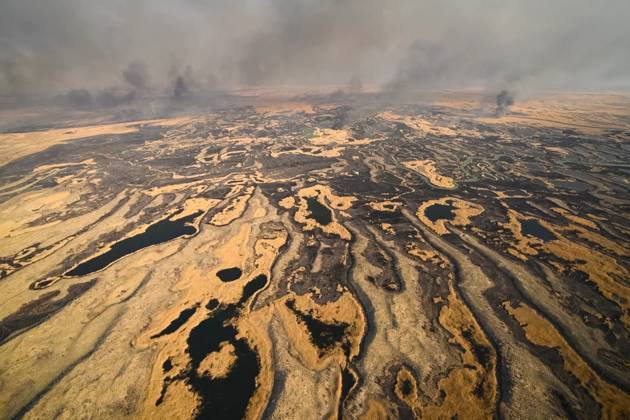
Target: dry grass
[
  {"x": 16, "y": 145},
  {"x": 464, "y": 211},
  {"x": 615, "y": 403},
  {"x": 602, "y": 269},
  {"x": 234, "y": 210},
  {"x": 387, "y": 205},
  {"x": 427, "y": 169},
  {"x": 327, "y": 198},
  {"x": 344, "y": 310}
]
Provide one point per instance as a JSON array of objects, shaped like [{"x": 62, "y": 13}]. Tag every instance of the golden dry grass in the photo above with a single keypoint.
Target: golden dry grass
[
  {"x": 326, "y": 197},
  {"x": 16, "y": 145},
  {"x": 602, "y": 269},
  {"x": 464, "y": 211},
  {"x": 427, "y": 169},
  {"x": 615, "y": 403}
]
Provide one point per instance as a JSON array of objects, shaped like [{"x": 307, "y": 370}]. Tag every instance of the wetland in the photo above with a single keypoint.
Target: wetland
[{"x": 315, "y": 255}]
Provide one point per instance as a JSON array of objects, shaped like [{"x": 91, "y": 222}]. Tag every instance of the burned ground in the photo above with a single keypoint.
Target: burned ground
[{"x": 329, "y": 257}]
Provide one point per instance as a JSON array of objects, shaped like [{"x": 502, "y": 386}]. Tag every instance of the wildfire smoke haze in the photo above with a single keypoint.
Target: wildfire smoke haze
[{"x": 48, "y": 48}]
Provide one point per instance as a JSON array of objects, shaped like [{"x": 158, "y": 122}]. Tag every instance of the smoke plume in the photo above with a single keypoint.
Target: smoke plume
[
  {"x": 504, "y": 101},
  {"x": 135, "y": 74},
  {"x": 53, "y": 47}
]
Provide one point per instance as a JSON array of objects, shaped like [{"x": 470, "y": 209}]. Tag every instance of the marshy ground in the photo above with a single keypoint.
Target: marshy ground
[{"x": 319, "y": 256}]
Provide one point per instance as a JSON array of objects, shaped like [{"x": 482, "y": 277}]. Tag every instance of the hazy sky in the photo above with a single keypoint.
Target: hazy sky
[{"x": 52, "y": 46}]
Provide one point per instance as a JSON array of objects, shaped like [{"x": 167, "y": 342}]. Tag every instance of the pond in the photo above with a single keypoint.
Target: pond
[
  {"x": 157, "y": 233},
  {"x": 437, "y": 212},
  {"x": 532, "y": 227},
  {"x": 319, "y": 212}
]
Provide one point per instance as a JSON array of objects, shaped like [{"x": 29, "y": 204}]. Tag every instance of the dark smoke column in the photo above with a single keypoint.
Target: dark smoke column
[
  {"x": 504, "y": 101},
  {"x": 180, "y": 89}
]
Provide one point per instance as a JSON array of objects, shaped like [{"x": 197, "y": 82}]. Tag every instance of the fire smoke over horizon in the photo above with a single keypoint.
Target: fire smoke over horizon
[{"x": 48, "y": 48}]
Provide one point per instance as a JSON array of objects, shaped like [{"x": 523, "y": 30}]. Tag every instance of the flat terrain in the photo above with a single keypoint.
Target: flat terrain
[{"x": 318, "y": 256}]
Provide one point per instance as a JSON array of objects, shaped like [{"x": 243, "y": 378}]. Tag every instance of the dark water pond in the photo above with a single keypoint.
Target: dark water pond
[
  {"x": 212, "y": 304},
  {"x": 437, "y": 212},
  {"x": 177, "y": 322},
  {"x": 406, "y": 387},
  {"x": 229, "y": 274},
  {"x": 348, "y": 381},
  {"x": 533, "y": 227},
  {"x": 157, "y": 233},
  {"x": 226, "y": 397},
  {"x": 318, "y": 211},
  {"x": 252, "y": 287},
  {"x": 324, "y": 335}
]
